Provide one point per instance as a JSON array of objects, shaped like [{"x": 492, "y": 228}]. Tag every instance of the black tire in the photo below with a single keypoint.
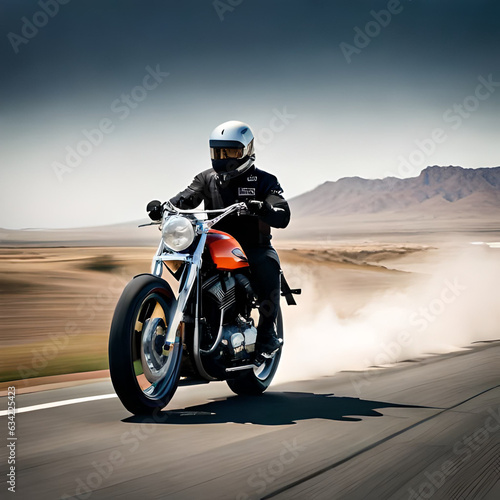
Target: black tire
[
  {"x": 256, "y": 381},
  {"x": 135, "y": 361}
]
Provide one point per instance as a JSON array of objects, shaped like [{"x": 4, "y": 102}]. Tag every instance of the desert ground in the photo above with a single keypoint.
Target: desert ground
[{"x": 56, "y": 303}]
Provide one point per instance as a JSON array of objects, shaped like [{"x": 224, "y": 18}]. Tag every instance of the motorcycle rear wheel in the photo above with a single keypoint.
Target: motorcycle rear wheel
[
  {"x": 256, "y": 381},
  {"x": 144, "y": 378}
]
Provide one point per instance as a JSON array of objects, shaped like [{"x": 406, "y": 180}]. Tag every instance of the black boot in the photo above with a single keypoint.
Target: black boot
[{"x": 267, "y": 345}]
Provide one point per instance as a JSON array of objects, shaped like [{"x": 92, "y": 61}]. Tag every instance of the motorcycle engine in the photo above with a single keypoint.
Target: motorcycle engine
[
  {"x": 219, "y": 299},
  {"x": 225, "y": 300},
  {"x": 239, "y": 339}
]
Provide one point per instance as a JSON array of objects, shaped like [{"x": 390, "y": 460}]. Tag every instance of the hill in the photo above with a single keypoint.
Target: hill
[
  {"x": 437, "y": 190},
  {"x": 440, "y": 199}
]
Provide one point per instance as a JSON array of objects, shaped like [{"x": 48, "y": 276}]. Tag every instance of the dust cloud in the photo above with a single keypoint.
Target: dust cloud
[{"x": 443, "y": 309}]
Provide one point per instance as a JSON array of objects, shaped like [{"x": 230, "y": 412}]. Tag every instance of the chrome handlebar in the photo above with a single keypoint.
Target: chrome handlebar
[
  {"x": 170, "y": 209},
  {"x": 231, "y": 208}
]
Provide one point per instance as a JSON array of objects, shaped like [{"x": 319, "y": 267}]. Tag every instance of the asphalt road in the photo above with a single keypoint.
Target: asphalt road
[{"x": 416, "y": 431}]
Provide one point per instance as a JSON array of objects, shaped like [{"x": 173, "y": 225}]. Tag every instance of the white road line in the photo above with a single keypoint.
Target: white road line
[{"x": 44, "y": 406}]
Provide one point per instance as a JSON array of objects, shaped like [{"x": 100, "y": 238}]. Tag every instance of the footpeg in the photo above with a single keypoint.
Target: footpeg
[
  {"x": 264, "y": 356},
  {"x": 239, "y": 368},
  {"x": 270, "y": 355}
]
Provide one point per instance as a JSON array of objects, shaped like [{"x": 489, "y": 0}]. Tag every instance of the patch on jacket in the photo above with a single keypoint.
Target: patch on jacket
[
  {"x": 252, "y": 178},
  {"x": 244, "y": 191}
]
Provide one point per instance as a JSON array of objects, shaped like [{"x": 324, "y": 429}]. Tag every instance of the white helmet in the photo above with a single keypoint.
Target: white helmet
[{"x": 231, "y": 149}]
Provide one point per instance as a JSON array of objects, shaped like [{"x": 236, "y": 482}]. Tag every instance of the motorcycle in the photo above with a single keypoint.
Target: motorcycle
[{"x": 205, "y": 331}]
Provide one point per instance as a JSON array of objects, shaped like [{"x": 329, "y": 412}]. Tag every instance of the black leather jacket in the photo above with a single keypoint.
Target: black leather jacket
[{"x": 254, "y": 184}]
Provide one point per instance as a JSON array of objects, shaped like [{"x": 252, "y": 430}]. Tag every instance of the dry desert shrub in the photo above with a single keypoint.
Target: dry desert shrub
[{"x": 101, "y": 263}]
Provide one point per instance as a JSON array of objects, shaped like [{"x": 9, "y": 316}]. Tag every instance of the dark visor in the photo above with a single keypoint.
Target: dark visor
[{"x": 223, "y": 153}]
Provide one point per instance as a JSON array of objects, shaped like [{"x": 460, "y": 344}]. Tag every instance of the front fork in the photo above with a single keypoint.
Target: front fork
[{"x": 190, "y": 279}]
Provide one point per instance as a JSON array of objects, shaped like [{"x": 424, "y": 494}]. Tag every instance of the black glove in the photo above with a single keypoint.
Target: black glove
[
  {"x": 256, "y": 207},
  {"x": 154, "y": 210}
]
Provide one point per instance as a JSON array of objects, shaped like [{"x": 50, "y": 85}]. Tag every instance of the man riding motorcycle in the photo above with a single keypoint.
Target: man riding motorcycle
[{"x": 234, "y": 178}]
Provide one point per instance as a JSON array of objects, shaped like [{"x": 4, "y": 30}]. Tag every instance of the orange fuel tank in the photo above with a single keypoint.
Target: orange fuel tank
[{"x": 226, "y": 252}]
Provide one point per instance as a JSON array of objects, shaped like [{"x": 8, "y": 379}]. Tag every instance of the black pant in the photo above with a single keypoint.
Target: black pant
[{"x": 265, "y": 278}]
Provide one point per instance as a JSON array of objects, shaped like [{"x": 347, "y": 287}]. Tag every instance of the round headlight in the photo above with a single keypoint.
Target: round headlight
[{"x": 177, "y": 233}]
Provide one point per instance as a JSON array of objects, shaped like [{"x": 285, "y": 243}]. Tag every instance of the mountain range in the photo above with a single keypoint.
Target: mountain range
[
  {"x": 438, "y": 190},
  {"x": 440, "y": 199}
]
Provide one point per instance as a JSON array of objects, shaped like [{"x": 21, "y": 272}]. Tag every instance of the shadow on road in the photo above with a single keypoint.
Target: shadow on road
[{"x": 271, "y": 408}]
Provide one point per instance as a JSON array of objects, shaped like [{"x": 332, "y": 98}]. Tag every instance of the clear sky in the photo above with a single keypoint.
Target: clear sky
[{"x": 106, "y": 105}]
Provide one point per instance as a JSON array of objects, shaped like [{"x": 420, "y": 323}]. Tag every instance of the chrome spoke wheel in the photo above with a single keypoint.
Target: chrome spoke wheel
[
  {"x": 256, "y": 381},
  {"x": 154, "y": 366},
  {"x": 144, "y": 363}
]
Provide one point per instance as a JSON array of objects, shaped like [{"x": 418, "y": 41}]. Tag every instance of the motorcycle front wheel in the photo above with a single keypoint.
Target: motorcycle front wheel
[
  {"x": 257, "y": 380},
  {"x": 144, "y": 375}
]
